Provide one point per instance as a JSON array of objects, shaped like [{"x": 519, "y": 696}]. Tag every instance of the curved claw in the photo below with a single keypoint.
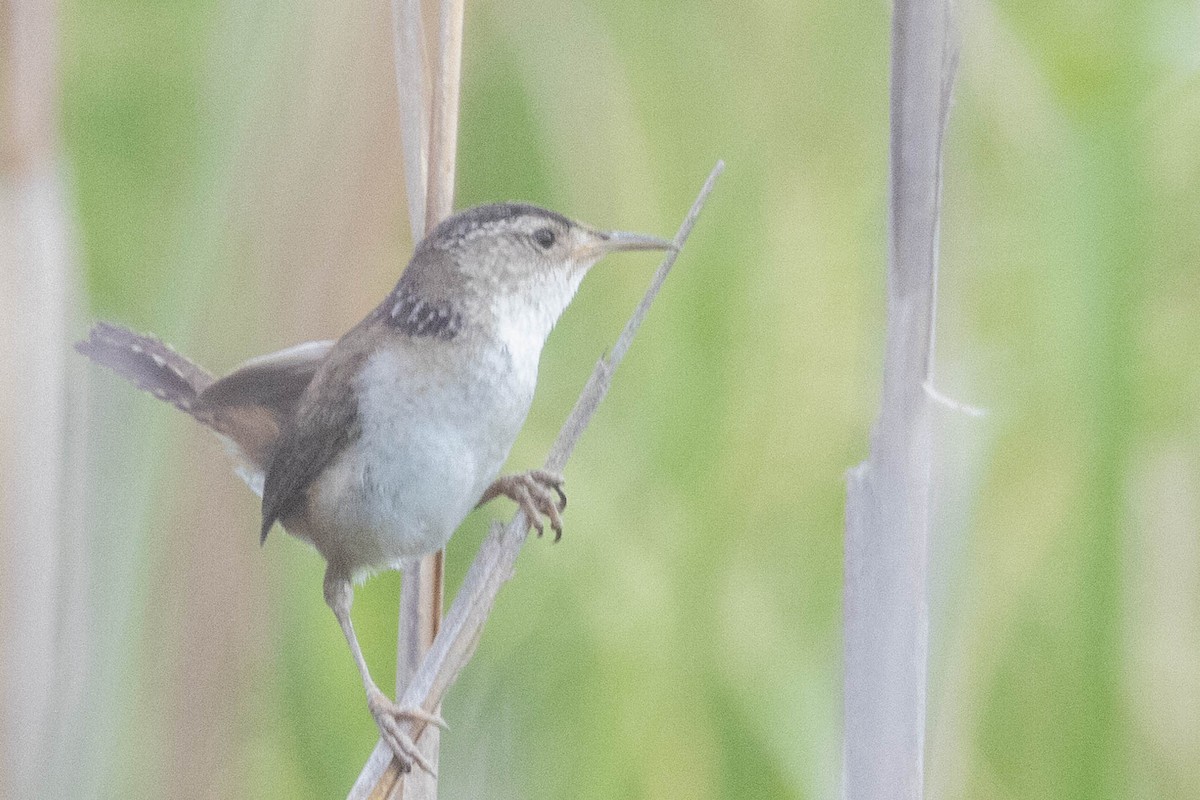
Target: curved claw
[
  {"x": 552, "y": 481},
  {"x": 388, "y": 718},
  {"x": 531, "y": 491},
  {"x": 405, "y": 750},
  {"x": 421, "y": 715}
]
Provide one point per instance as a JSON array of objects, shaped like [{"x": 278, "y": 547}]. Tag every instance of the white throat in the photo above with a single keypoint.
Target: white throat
[{"x": 524, "y": 319}]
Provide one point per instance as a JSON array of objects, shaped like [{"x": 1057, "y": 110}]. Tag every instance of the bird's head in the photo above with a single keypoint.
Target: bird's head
[{"x": 517, "y": 263}]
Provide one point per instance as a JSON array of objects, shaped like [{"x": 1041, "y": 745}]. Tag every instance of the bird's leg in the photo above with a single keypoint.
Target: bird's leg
[
  {"x": 534, "y": 492},
  {"x": 339, "y": 594}
]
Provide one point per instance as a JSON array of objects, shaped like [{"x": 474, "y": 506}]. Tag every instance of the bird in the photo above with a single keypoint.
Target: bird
[{"x": 374, "y": 448}]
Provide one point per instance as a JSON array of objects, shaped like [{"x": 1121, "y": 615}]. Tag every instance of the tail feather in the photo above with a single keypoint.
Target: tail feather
[
  {"x": 246, "y": 409},
  {"x": 146, "y": 363}
]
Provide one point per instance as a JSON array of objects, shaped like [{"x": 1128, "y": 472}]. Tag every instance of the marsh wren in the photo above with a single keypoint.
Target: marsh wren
[{"x": 375, "y": 447}]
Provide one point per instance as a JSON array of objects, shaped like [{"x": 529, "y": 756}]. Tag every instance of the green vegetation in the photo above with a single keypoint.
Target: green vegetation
[{"x": 237, "y": 176}]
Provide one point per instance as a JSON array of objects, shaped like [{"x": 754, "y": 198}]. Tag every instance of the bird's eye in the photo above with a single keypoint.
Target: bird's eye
[{"x": 544, "y": 237}]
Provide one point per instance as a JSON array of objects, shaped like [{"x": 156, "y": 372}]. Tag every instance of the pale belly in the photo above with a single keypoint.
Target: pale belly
[{"x": 421, "y": 464}]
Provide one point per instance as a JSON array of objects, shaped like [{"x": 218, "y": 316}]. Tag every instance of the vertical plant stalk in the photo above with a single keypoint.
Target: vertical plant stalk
[
  {"x": 43, "y": 648},
  {"x": 443, "y": 139},
  {"x": 430, "y": 146},
  {"x": 887, "y": 504},
  {"x": 412, "y": 87},
  {"x": 493, "y": 565}
]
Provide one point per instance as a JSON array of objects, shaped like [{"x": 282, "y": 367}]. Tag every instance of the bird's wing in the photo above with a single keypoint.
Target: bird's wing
[
  {"x": 324, "y": 423},
  {"x": 275, "y": 381},
  {"x": 250, "y": 406}
]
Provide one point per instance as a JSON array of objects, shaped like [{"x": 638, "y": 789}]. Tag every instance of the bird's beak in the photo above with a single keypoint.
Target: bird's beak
[{"x": 613, "y": 241}]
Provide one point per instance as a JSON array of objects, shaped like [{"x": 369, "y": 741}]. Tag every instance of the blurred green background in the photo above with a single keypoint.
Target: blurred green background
[{"x": 236, "y": 175}]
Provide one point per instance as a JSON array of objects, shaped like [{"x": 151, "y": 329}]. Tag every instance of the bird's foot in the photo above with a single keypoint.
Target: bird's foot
[
  {"x": 389, "y": 717},
  {"x": 538, "y": 493}
]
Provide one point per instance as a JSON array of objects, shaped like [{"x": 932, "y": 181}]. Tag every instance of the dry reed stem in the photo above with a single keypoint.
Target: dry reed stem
[
  {"x": 443, "y": 140},
  {"x": 412, "y": 87},
  {"x": 44, "y": 651},
  {"x": 430, "y": 144},
  {"x": 887, "y": 506}
]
